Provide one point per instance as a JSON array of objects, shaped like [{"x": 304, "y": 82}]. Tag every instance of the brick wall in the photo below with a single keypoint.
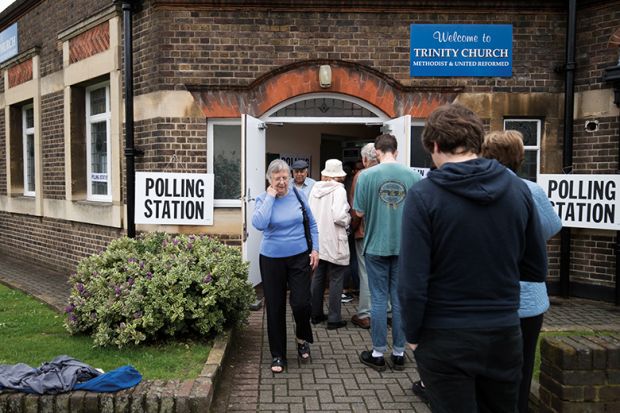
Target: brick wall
[
  {"x": 592, "y": 257},
  {"x": 53, "y": 145},
  {"x": 58, "y": 244},
  {"x": 165, "y": 138},
  {"x": 595, "y": 25},
  {"x": 2, "y": 154},
  {"x": 580, "y": 374},
  {"x": 596, "y": 152},
  {"x": 232, "y": 46},
  {"x": 41, "y": 25}
]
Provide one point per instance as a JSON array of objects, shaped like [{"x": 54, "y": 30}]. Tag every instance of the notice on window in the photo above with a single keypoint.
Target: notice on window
[
  {"x": 584, "y": 201},
  {"x": 174, "y": 198},
  {"x": 461, "y": 50}
]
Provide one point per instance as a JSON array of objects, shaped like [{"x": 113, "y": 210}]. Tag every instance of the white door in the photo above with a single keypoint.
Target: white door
[
  {"x": 253, "y": 183},
  {"x": 401, "y": 129}
]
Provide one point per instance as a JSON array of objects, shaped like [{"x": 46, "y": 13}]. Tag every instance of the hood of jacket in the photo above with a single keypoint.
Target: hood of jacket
[
  {"x": 323, "y": 188},
  {"x": 481, "y": 180}
]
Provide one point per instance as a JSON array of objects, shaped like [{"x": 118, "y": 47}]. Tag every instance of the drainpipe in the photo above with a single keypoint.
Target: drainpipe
[
  {"x": 612, "y": 75},
  {"x": 567, "y": 149},
  {"x": 130, "y": 151}
]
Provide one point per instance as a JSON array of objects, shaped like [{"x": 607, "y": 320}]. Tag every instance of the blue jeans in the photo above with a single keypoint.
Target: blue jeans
[{"x": 383, "y": 285}]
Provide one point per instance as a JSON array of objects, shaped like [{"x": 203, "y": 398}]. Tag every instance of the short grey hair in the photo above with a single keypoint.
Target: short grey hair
[
  {"x": 368, "y": 152},
  {"x": 276, "y": 166}
]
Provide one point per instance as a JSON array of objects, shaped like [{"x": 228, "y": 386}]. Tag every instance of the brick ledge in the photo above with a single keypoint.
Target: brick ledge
[{"x": 173, "y": 396}]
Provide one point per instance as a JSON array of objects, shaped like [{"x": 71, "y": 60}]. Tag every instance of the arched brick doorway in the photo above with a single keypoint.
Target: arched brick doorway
[{"x": 302, "y": 78}]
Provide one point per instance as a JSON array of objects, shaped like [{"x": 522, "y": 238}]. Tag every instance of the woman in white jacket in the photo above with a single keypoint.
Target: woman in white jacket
[{"x": 328, "y": 202}]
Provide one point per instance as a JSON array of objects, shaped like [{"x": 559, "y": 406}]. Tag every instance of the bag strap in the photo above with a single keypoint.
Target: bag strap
[{"x": 306, "y": 220}]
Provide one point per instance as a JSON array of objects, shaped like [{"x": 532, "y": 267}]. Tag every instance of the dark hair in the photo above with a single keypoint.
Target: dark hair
[
  {"x": 453, "y": 127},
  {"x": 386, "y": 143},
  {"x": 506, "y": 147}
]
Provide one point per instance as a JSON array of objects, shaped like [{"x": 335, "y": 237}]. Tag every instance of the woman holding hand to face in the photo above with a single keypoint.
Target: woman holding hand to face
[{"x": 285, "y": 260}]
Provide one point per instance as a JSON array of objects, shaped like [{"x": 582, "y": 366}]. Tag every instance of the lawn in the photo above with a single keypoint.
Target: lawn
[{"x": 32, "y": 333}]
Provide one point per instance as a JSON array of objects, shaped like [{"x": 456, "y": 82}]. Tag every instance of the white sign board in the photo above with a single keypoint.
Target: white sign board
[
  {"x": 8, "y": 42},
  {"x": 421, "y": 171},
  {"x": 174, "y": 198},
  {"x": 584, "y": 201}
]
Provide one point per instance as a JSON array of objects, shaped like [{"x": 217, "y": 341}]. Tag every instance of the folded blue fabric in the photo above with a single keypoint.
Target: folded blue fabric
[{"x": 121, "y": 378}]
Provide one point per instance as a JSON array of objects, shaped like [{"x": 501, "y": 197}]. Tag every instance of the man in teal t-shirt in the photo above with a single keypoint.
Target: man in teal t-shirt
[{"x": 379, "y": 196}]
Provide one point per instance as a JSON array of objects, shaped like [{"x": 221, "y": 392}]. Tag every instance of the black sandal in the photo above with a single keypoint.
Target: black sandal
[
  {"x": 303, "y": 349},
  {"x": 278, "y": 363}
]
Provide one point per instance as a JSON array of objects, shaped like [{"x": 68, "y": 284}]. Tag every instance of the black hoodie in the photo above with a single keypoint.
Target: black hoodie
[{"x": 470, "y": 232}]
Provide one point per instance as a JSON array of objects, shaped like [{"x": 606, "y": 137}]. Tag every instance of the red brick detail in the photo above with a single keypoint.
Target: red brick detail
[
  {"x": 20, "y": 73},
  {"x": 95, "y": 40},
  {"x": 614, "y": 39},
  {"x": 347, "y": 79}
]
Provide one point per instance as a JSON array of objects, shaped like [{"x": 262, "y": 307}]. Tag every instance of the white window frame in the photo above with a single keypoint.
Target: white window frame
[
  {"x": 26, "y": 132},
  {"x": 221, "y": 203},
  {"x": 531, "y": 148},
  {"x": 90, "y": 119}
]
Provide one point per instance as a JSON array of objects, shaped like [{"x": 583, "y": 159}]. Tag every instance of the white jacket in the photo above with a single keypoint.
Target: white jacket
[{"x": 328, "y": 202}]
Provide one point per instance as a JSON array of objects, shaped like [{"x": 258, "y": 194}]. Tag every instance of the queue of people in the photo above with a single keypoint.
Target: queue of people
[{"x": 460, "y": 256}]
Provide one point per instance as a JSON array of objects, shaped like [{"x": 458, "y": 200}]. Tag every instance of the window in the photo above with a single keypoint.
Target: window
[
  {"x": 28, "y": 148},
  {"x": 324, "y": 107},
  {"x": 98, "y": 142},
  {"x": 531, "y": 130},
  {"x": 224, "y": 143}
]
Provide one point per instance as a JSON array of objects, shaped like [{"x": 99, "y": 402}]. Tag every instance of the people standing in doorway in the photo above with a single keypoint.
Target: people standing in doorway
[
  {"x": 328, "y": 202},
  {"x": 362, "y": 317},
  {"x": 286, "y": 260},
  {"x": 470, "y": 231},
  {"x": 507, "y": 148},
  {"x": 379, "y": 197},
  {"x": 300, "y": 179}
]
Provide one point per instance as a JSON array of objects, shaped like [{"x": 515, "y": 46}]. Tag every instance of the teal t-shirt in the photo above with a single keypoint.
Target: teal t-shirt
[{"x": 380, "y": 194}]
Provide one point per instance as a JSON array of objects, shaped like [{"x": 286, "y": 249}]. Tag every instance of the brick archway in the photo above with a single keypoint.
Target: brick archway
[{"x": 302, "y": 78}]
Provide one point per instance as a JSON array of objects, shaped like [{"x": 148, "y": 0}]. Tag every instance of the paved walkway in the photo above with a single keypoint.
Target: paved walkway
[{"x": 335, "y": 381}]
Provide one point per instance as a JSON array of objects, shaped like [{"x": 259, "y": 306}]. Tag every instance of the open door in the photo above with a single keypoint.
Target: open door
[
  {"x": 252, "y": 184},
  {"x": 401, "y": 129}
]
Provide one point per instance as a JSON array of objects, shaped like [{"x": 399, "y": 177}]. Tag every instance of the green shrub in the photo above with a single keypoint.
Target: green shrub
[{"x": 159, "y": 286}]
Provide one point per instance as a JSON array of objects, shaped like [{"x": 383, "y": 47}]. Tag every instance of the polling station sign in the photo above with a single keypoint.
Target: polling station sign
[
  {"x": 174, "y": 198},
  {"x": 461, "y": 50},
  {"x": 584, "y": 201}
]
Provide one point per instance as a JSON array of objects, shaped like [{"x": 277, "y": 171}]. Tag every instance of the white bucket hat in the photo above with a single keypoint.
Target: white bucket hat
[{"x": 333, "y": 169}]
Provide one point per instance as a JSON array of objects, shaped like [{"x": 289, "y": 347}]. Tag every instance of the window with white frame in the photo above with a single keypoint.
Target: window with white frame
[
  {"x": 28, "y": 148},
  {"x": 224, "y": 161},
  {"x": 98, "y": 155},
  {"x": 531, "y": 129}
]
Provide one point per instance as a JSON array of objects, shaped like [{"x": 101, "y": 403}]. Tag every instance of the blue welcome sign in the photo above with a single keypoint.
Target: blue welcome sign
[
  {"x": 8, "y": 42},
  {"x": 461, "y": 50}
]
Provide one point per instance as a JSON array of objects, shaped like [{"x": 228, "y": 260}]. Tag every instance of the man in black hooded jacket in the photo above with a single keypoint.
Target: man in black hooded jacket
[{"x": 470, "y": 232}]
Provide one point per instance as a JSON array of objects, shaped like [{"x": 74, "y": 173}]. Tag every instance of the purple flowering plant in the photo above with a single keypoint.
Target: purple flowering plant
[{"x": 159, "y": 286}]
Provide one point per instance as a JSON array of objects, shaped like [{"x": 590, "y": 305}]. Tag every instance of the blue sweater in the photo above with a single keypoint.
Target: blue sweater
[
  {"x": 534, "y": 300},
  {"x": 281, "y": 221},
  {"x": 470, "y": 233}
]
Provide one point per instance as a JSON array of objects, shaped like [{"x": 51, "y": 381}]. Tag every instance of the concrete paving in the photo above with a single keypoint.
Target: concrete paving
[{"x": 335, "y": 380}]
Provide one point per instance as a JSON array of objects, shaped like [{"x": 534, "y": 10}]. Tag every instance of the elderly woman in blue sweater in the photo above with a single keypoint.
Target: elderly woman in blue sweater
[
  {"x": 507, "y": 148},
  {"x": 286, "y": 260}
]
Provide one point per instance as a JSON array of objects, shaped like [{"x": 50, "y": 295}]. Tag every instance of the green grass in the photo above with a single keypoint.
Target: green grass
[
  {"x": 561, "y": 333},
  {"x": 33, "y": 333}
]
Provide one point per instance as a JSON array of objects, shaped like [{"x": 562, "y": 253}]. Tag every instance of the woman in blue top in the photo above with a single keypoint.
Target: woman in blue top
[
  {"x": 285, "y": 260},
  {"x": 507, "y": 148}
]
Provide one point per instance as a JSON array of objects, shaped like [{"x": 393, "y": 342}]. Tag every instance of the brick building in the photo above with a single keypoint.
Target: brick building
[{"x": 222, "y": 87}]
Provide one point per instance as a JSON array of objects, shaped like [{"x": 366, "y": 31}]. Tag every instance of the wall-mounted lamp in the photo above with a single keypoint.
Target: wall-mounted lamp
[{"x": 325, "y": 76}]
